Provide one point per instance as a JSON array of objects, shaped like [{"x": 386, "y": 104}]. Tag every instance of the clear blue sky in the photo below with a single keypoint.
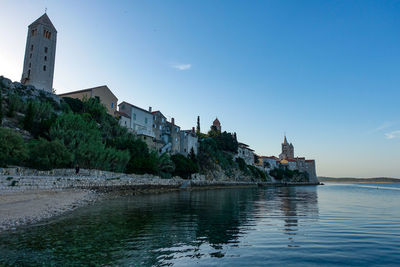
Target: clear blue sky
[{"x": 325, "y": 72}]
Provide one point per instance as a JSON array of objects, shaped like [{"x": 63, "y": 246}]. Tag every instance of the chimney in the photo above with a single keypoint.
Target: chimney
[
  {"x": 149, "y": 109},
  {"x": 173, "y": 121}
]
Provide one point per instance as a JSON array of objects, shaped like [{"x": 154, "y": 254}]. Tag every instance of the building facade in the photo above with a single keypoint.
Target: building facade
[
  {"x": 189, "y": 141},
  {"x": 40, "y": 54},
  {"x": 287, "y": 150},
  {"x": 141, "y": 120},
  {"x": 246, "y": 153},
  {"x": 102, "y": 93}
]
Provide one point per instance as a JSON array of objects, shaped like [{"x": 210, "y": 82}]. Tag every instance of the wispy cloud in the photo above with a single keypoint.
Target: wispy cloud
[
  {"x": 383, "y": 126},
  {"x": 393, "y": 135},
  {"x": 181, "y": 66}
]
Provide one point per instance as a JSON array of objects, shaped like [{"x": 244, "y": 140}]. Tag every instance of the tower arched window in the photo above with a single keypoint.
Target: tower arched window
[
  {"x": 46, "y": 49},
  {"x": 45, "y": 58},
  {"x": 44, "y": 67},
  {"x": 31, "y": 47}
]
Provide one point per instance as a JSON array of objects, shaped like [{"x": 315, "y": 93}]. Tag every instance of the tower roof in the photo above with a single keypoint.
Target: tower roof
[
  {"x": 44, "y": 20},
  {"x": 216, "y": 122},
  {"x": 285, "y": 140}
]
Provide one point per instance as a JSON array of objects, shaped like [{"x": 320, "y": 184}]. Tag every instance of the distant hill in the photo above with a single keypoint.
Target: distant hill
[{"x": 358, "y": 180}]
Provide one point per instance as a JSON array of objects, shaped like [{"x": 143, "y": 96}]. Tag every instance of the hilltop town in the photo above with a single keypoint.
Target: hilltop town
[{"x": 173, "y": 151}]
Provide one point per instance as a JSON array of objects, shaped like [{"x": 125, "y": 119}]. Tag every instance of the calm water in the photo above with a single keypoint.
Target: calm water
[{"x": 335, "y": 224}]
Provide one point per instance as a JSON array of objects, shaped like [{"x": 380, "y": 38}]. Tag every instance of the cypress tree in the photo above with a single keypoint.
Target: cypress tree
[{"x": 198, "y": 125}]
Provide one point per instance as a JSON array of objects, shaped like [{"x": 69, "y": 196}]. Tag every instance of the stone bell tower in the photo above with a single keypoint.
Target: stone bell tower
[{"x": 40, "y": 53}]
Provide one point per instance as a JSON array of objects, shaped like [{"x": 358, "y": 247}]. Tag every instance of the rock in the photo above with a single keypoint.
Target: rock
[{"x": 6, "y": 82}]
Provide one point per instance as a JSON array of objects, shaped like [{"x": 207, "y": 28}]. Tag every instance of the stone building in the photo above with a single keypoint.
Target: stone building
[
  {"x": 141, "y": 122},
  {"x": 217, "y": 124},
  {"x": 246, "y": 153},
  {"x": 287, "y": 150},
  {"x": 102, "y": 93},
  {"x": 174, "y": 137},
  {"x": 40, "y": 54},
  {"x": 167, "y": 133},
  {"x": 189, "y": 140}
]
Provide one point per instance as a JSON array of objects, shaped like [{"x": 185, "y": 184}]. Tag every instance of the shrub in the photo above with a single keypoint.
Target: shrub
[
  {"x": 82, "y": 137},
  {"x": 47, "y": 155},
  {"x": 184, "y": 167},
  {"x": 14, "y": 104},
  {"x": 12, "y": 148},
  {"x": 29, "y": 116},
  {"x": 75, "y": 105}
]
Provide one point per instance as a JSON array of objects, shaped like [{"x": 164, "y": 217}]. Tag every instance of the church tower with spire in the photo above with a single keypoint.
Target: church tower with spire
[
  {"x": 40, "y": 54},
  {"x": 287, "y": 150}
]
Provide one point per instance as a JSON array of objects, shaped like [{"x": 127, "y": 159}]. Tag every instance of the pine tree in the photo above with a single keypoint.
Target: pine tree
[{"x": 198, "y": 125}]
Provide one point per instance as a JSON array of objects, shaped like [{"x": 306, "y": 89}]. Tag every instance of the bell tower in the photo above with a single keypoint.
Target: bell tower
[{"x": 40, "y": 53}]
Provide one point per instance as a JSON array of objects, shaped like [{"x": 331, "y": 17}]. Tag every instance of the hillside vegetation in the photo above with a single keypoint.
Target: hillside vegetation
[{"x": 42, "y": 131}]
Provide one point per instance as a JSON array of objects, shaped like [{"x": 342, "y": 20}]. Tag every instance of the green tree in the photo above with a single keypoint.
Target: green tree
[
  {"x": 184, "y": 167},
  {"x": 1, "y": 106},
  {"x": 198, "y": 125},
  {"x": 12, "y": 148},
  {"x": 29, "y": 116},
  {"x": 47, "y": 155}
]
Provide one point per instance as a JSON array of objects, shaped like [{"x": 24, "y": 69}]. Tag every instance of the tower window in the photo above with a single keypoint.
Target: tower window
[
  {"x": 47, "y": 34},
  {"x": 45, "y": 58},
  {"x": 29, "y": 73},
  {"x": 30, "y": 65},
  {"x": 30, "y": 56},
  {"x": 44, "y": 68},
  {"x": 46, "y": 49},
  {"x": 31, "y": 47},
  {"x": 34, "y": 32}
]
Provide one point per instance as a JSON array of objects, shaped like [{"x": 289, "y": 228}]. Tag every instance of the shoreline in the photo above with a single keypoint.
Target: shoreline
[{"x": 28, "y": 199}]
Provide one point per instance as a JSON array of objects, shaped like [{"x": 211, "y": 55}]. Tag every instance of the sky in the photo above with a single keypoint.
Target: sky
[{"x": 326, "y": 73}]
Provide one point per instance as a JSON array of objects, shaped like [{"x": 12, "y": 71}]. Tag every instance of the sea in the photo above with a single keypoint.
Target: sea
[{"x": 351, "y": 224}]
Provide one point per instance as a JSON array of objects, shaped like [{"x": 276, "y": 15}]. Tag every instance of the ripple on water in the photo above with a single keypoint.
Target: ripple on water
[{"x": 352, "y": 225}]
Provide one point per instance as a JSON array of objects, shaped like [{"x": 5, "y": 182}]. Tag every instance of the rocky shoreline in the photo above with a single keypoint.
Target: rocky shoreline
[{"x": 28, "y": 196}]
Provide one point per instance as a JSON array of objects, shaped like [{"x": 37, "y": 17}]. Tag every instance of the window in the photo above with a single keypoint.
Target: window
[
  {"x": 145, "y": 120},
  {"x": 133, "y": 116},
  {"x": 34, "y": 32},
  {"x": 97, "y": 98},
  {"x": 162, "y": 120},
  {"x": 112, "y": 104},
  {"x": 30, "y": 65},
  {"x": 30, "y": 56},
  {"x": 44, "y": 68},
  {"x": 46, "y": 49},
  {"x": 46, "y": 34},
  {"x": 45, "y": 58},
  {"x": 31, "y": 47},
  {"x": 154, "y": 126},
  {"x": 29, "y": 73},
  {"x": 123, "y": 107},
  {"x": 160, "y": 127}
]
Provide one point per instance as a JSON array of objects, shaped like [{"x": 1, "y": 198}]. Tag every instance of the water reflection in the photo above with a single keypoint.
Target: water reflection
[{"x": 162, "y": 229}]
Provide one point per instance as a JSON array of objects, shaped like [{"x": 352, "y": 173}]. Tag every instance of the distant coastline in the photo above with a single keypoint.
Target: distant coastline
[{"x": 358, "y": 180}]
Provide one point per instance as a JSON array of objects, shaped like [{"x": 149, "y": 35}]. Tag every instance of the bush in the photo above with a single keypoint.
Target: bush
[
  {"x": 1, "y": 106},
  {"x": 75, "y": 105},
  {"x": 47, "y": 155},
  {"x": 12, "y": 148},
  {"x": 82, "y": 137},
  {"x": 29, "y": 116},
  {"x": 184, "y": 167},
  {"x": 14, "y": 104}
]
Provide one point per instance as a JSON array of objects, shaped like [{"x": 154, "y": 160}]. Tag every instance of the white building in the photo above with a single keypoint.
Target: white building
[
  {"x": 269, "y": 163},
  {"x": 246, "y": 153},
  {"x": 40, "y": 53},
  {"x": 141, "y": 120}
]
